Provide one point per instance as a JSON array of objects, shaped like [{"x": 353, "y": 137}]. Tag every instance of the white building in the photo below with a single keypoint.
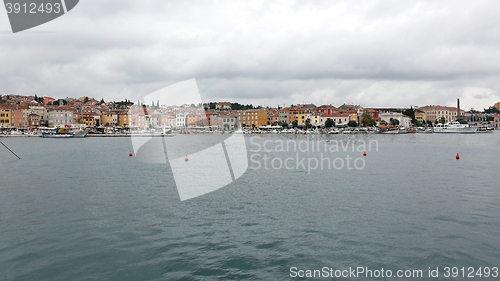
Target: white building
[
  {"x": 339, "y": 119},
  {"x": 226, "y": 122},
  {"x": 403, "y": 119},
  {"x": 60, "y": 117},
  {"x": 180, "y": 119}
]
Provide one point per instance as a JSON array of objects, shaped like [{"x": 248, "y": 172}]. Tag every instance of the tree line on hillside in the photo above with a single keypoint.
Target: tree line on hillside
[{"x": 233, "y": 105}]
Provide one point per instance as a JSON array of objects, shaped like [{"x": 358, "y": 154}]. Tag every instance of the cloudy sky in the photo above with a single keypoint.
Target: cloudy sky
[{"x": 373, "y": 53}]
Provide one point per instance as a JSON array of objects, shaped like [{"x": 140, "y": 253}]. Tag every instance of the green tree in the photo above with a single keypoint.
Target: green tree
[
  {"x": 442, "y": 120},
  {"x": 86, "y": 100},
  {"x": 284, "y": 124},
  {"x": 236, "y": 106},
  {"x": 329, "y": 123},
  {"x": 394, "y": 121},
  {"x": 295, "y": 123},
  {"x": 366, "y": 118},
  {"x": 308, "y": 123},
  {"x": 352, "y": 123},
  {"x": 491, "y": 110},
  {"x": 411, "y": 113}
]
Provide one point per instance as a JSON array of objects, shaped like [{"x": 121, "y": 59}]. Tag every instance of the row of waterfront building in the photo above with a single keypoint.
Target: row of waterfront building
[{"x": 30, "y": 112}]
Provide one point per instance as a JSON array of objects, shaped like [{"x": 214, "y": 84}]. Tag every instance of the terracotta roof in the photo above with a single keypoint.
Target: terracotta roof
[{"x": 335, "y": 115}]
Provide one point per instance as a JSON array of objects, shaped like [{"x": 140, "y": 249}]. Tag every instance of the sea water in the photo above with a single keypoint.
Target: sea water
[{"x": 82, "y": 209}]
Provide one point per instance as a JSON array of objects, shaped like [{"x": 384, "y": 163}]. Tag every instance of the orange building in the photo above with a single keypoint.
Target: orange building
[
  {"x": 252, "y": 117},
  {"x": 192, "y": 120},
  {"x": 34, "y": 120},
  {"x": 47, "y": 100},
  {"x": 17, "y": 116},
  {"x": 123, "y": 119},
  {"x": 497, "y": 105},
  {"x": 109, "y": 118}
]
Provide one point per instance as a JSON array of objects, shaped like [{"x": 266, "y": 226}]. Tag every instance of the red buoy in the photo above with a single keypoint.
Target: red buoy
[
  {"x": 458, "y": 156},
  {"x": 130, "y": 154},
  {"x": 186, "y": 159},
  {"x": 364, "y": 153}
]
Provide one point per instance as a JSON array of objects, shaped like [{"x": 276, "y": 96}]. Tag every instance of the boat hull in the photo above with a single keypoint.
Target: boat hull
[
  {"x": 467, "y": 130},
  {"x": 57, "y": 135},
  {"x": 80, "y": 134}
]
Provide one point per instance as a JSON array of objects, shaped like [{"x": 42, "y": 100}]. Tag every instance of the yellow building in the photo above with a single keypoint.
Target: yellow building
[
  {"x": 314, "y": 118},
  {"x": 109, "y": 118},
  {"x": 436, "y": 112},
  {"x": 253, "y": 117},
  {"x": 420, "y": 116},
  {"x": 5, "y": 117},
  {"x": 300, "y": 117},
  {"x": 353, "y": 114},
  {"x": 298, "y": 113},
  {"x": 88, "y": 119},
  {"x": 42, "y": 112},
  {"x": 123, "y": 120}
]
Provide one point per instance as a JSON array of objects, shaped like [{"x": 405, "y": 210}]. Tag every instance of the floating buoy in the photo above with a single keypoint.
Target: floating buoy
[
  {"x": 130, "y": 154},
  {"x": 186, "y": 159},
  {"x": 364, "y": 153},
  {"x": 457, "y": 157}
]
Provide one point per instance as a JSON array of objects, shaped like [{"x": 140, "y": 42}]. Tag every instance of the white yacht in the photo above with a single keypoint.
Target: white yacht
[{"x": 454, "y": 127}]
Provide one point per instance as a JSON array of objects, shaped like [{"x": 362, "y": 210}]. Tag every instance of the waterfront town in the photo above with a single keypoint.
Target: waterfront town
[{"x": 32, "y": 113}]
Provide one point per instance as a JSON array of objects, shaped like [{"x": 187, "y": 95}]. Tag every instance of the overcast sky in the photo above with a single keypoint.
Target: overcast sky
[{"x": 372, "y": 53}]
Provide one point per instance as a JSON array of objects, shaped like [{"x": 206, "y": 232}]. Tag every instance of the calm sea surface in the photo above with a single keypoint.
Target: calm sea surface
[{"x": 82, "y": 209}]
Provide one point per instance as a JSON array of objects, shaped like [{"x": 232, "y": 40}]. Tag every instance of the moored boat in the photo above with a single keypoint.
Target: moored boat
[
  {"x": 80, "y": 133},
  {"x": 484, "y": 129},
  {"x": 58, "y": 133},
  {"x": 454, "y": 127},
  {"x": 65, "y": 133}
]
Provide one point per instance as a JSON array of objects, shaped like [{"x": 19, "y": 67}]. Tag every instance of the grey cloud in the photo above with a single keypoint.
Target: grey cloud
[{"x": 376, "y": 52}]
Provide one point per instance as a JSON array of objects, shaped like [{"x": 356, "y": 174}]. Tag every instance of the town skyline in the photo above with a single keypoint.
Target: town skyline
[
  {"x": 50, "y": 99},
  {"x": 32, "y": 111}
]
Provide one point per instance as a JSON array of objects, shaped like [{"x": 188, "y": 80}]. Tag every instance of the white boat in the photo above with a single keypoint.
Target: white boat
[
  {"x": 395, "y": 131},
  {"x": 65, "y": 133},
  {"x": 484, "y": 129},
  {"x": 58, "y": 133},
  {"x": 454, "y": 127},
  {"x": 79, "y": 133}
]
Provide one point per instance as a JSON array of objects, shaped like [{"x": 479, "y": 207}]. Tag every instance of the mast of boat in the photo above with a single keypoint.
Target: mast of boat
[{"x": 10, "y": 150}]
